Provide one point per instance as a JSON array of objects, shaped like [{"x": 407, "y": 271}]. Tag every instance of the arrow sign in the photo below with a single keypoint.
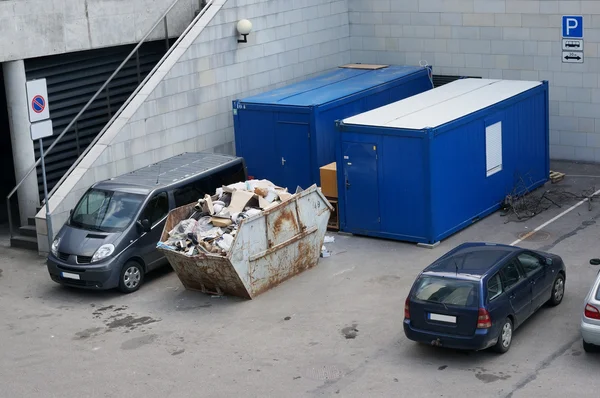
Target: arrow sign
[{"x": 572, "y": 57}]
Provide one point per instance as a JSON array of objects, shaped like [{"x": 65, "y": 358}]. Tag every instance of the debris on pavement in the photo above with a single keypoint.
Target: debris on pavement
[
  {"x": 521, "y": 204},
  {"x": 329, "y": 239},
  {"x": 556, "y": 176},
  {"x": 213, "y": 226}
]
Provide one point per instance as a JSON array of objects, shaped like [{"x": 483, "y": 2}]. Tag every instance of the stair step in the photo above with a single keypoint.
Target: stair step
[
  {"x": 28, "y": 230},
  {"x": 24, "y": 242},
  {"x": 31, "y": 221}
]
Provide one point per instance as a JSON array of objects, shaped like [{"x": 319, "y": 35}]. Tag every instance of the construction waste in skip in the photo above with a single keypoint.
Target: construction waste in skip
[{"x": 246, "y": 238}]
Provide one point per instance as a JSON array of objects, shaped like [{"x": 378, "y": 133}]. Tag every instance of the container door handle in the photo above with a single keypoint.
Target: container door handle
[{"x": 282, "y": 161}]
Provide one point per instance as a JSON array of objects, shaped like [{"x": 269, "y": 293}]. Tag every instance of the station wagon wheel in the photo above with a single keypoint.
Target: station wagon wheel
[
  {"x": 558, "y": 290},
  {"x": 504, "y": 337},
  {"x": 132, "y": 276}
]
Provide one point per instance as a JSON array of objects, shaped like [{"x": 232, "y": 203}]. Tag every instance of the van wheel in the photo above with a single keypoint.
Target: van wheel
[
  {"x": 504, "y": 337},
  {"x": 132, "y": 277},
  {"x": 558, "y": 290}
]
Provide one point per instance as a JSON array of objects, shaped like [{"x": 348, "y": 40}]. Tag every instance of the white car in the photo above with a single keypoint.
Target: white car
[{"x": 590, "y": 320}]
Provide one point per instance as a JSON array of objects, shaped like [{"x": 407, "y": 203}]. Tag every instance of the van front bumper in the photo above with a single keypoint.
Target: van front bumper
[
  {"x": 103, "y": 275},
  {"x": 481, "y": 340}
]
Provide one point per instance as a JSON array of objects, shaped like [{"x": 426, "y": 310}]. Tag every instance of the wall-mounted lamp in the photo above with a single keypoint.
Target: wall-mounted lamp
[{"x": 244, "y": 27}]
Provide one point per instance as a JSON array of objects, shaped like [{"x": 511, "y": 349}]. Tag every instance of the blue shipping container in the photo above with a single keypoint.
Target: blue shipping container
[
  {"x": 423, "y": 168},
  {"x": 287, "y": 134}
]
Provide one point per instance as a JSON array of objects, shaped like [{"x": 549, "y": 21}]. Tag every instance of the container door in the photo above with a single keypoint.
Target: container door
[
  {"x": 362, "y": 189},
  {"x": 293, "y": 146}
]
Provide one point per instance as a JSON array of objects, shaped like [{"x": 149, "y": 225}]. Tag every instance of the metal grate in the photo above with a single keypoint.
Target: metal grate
[
  {"x": 84, "y": 259},
  {"x": 63, "y": 256},
  {"x": 72, "y": 80}
]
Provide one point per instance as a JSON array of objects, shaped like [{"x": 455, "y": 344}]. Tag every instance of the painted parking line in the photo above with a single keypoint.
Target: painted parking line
[{"x": 570, "y": 209}]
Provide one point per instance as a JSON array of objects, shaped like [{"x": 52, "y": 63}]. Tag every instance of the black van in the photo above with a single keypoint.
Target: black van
[{"x": 110, "y": 237}]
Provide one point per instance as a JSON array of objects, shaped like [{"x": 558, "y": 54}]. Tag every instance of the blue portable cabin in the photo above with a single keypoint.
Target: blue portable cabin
[
  {"x": 423, "y": 168},
  {"x": 287, "y": 134}
]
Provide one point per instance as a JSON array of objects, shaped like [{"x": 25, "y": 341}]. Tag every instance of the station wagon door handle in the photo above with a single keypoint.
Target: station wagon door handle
[
  {"x": 347, "y": 184},
  {"x": 512, "y": 296}
]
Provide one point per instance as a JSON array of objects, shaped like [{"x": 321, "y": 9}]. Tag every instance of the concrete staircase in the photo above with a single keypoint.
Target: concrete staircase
[
  {"x": 27, "y": 236},
  {"x": 33, "y": 235}
]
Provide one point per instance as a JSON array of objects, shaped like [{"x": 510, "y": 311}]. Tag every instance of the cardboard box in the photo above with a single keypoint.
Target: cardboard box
[{"x": 329, "y": 180}]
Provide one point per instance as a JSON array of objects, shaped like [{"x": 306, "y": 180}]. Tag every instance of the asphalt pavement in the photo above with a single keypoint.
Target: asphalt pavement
[{"x": 335, "y": 330}]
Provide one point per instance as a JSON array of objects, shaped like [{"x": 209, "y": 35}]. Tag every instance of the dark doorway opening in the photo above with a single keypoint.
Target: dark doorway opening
[{"x": 7, "y": 175}]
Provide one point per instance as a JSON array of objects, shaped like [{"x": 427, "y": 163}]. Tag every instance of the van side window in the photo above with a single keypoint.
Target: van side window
[
  {"x": 195, "y": 190},
  {"x": 494, "y": 287},
  {"x": 187, "y": 194},
  {"x": 510, "y": 274},
  {"x": 157, "y": 208}
]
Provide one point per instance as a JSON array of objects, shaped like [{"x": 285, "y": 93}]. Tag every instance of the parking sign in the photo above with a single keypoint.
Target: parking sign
[{"x": 572, "y": 26}]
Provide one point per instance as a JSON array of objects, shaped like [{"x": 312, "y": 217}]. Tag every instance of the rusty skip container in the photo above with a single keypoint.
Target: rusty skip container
[{"x": 268, "y": 248}]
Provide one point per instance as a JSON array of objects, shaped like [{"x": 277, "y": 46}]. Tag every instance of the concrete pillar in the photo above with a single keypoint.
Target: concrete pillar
[{"x": 22, "y": 146}]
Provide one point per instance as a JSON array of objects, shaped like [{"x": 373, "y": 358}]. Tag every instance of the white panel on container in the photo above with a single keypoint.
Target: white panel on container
[
  {"x": 387, "y": 114},
  {"x": 493, "y": 148},
  {"x": 442, "y": 105}
]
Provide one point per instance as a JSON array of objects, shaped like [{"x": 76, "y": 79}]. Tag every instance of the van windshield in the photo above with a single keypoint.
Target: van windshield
[
  {"x": 457, "y": 292},
  {"x": 106, "y": 211}
]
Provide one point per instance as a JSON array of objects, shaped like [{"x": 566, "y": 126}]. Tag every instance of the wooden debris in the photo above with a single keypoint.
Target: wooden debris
[{"x": 556, "y": 176}]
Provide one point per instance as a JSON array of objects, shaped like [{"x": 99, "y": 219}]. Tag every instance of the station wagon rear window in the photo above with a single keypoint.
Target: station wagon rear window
[{"x": 456, "y": 292}]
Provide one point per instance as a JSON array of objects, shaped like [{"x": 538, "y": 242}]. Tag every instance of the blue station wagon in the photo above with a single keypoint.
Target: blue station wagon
[{"x": 477, "y": 294}]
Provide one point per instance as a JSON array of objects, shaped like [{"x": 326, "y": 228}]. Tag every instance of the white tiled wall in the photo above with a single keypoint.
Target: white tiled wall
[
  {"x": 509, "y": 39},
  {"x": 34, "y": 28},
  {"x": 187, "y": 106}
]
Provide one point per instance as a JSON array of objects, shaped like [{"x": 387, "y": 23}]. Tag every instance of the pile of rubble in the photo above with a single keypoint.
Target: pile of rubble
[{"x": 212, "y": 227}]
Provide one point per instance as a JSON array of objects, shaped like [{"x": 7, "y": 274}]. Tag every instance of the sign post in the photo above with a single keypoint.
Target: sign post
[
  {"x": 41, "y": 127},
  {"x": 572, "y": 39}
]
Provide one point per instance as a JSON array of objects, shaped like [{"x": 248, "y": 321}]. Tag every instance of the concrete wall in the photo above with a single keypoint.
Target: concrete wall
[
  {"x": 508, "y": 39},
  {"x": 186, "y": 105},
  {"x": 33, "y": 28}
]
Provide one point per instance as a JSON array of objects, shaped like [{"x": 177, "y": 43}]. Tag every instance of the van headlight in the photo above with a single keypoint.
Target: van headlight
[
  {"x": 103, "y": 252},
  {"x": 54, "y": 247}
]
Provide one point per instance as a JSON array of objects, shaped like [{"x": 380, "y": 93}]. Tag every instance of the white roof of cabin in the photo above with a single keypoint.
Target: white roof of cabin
[{"x": 444, "y": 104}]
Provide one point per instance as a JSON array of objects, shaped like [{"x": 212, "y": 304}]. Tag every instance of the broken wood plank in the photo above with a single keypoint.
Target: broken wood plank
[{"x": 556, "y": 176}]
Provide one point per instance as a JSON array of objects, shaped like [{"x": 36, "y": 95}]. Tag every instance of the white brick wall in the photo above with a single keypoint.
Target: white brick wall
[
  {"x": 187, "y": 107},
  {"x": 34, "y": 28},
  {"x": 510, "y": 39}
]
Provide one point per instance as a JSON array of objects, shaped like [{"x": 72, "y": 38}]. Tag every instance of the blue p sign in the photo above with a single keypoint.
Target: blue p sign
[{"x": 572, "y": 26}]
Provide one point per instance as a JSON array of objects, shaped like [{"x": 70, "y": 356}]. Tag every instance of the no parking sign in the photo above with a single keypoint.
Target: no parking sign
[{"x": 37, "y": 99}]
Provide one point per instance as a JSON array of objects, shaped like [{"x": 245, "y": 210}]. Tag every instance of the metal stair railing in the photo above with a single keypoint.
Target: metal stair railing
[{"x": 204, "y": 5}]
